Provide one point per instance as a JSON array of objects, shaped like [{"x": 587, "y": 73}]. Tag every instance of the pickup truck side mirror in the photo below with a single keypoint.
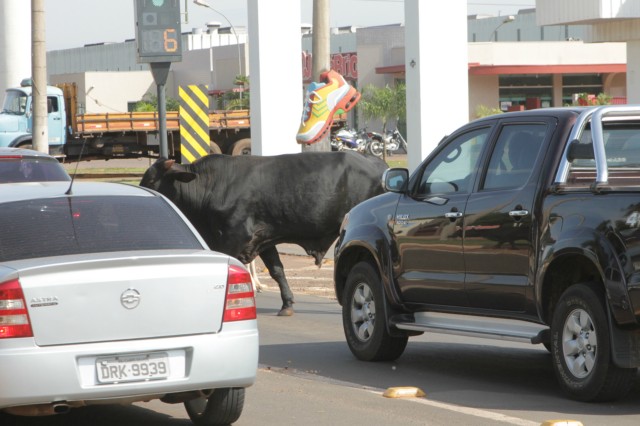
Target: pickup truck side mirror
[{"x": 395, "y": 180}]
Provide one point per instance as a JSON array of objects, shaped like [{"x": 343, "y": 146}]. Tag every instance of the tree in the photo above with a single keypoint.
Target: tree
[
  {"x": 149, "y": 103},
  {"x": 485, "y": 111},
  {"x": 585, "y": 99},
  {"x": 384, "y": 104},
  {"x": 238, "y": 99}
]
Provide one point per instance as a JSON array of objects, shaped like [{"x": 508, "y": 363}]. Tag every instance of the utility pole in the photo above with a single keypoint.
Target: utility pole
[
  {"x": 321, "y": 61},
  {"x": 40, "y": 130}
]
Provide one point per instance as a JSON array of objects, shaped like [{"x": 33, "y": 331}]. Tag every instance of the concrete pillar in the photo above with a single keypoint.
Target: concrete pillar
[
  {"x": 557, "y": 90},
  {"x": 436, "y": 73},
  {"x": 275, "y": 67},
  {"x": 15, "y": 43},
  {"x": 633, "y": 72}
]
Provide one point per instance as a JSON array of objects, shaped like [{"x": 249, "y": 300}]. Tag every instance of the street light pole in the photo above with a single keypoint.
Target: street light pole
[
  {"x": 40, "y": 129},
  {"x": 321, "y": 61},
  {"x": 210, "y": 27},
  {"x": 494, "y": 34},
  {"x": 204, "y": 3}
]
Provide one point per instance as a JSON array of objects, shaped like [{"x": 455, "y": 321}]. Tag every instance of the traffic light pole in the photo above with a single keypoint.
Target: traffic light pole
[
  {"x": 160, "y": 72},
  {"x": 158, "y": 43}
]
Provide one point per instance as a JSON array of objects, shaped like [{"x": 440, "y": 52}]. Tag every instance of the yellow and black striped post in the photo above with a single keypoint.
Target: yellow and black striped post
[{"x": 194, "y": 122}]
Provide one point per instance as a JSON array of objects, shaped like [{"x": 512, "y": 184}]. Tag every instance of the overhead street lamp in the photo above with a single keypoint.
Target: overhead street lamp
[
  {"x": 506, "y": 20},
  {"x": 204, "y": 3}
]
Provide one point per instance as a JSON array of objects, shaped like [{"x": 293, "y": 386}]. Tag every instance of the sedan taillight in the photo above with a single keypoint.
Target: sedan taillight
[
  {"x": 14, "y": 318},
  {"x": 240, "y": 304}
]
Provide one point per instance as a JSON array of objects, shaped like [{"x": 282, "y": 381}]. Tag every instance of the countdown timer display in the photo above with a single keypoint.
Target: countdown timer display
[{"x": 158, "y": 36}]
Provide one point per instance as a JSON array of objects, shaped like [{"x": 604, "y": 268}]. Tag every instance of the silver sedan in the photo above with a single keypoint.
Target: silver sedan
[{"x": 109, "y": 295}]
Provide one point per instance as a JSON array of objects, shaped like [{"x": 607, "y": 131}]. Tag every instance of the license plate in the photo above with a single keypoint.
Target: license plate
[{"x": 133, "y": 368}]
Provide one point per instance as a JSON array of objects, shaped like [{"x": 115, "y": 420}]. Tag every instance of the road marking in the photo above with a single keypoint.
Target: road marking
[{"x": 474, "y": 412}]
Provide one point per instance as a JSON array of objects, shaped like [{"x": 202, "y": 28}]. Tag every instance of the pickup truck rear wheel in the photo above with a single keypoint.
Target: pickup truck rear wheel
[
  {"x": 223, "y": 407},
  {"x": 364, "y": 320},
  {"x": 581, "y": 349}
]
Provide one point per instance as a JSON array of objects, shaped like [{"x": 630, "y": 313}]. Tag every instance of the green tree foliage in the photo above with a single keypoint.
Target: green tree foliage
[
  {"x": 585, "y": 99},
  {"x": 149, "y": 103},
  {"x": 384, "y": 104},
  {"x": 236, "y": 99},
  {"x": 485, "y": 111}
]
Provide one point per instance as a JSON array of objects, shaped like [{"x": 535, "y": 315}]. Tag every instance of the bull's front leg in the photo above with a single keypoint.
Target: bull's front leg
[{"x": 272, "y": 261}]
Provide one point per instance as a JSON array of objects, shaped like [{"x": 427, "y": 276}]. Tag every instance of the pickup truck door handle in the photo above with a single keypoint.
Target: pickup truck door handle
[
  {"x": 453, "y": 215},
  {"x": 517, "y": 214}
]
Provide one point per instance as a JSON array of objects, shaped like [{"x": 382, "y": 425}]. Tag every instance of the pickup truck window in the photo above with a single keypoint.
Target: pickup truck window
[
  {"x": 514, "y": 155},
  {"x": 622, "y": 148},
  {"x": 454, "y": 167}
]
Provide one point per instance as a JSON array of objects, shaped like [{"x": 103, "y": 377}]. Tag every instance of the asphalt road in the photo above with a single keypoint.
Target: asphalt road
[{"x": 308, "y": 376}]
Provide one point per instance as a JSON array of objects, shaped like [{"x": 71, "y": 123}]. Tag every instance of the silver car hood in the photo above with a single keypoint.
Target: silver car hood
[{"x": 121, "y": 296}]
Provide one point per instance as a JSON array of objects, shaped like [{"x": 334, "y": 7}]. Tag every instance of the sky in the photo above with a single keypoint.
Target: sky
[{"x": 74, "y": 23}]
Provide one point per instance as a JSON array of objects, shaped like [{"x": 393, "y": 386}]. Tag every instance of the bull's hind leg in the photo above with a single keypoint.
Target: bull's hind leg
[{"x": 272, "y": 261}]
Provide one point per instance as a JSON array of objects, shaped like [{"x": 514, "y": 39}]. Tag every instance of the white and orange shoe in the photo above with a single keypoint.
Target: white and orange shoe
[{"x": 322, "y": 101}]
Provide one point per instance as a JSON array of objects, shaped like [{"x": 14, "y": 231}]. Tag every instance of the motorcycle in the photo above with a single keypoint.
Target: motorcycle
[
  {"x": 349, "y": 139},
  {"x": 392, "y": 141}
]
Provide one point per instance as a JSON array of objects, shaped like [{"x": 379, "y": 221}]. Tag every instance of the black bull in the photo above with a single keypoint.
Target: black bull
[{"x": 244, "y": 206}]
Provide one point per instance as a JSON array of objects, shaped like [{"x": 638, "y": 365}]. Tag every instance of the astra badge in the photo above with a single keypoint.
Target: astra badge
[{"x": 130, "y": 299}]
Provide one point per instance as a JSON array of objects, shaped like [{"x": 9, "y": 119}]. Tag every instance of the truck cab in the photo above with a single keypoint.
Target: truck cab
[{"x": 16, "y": 118}]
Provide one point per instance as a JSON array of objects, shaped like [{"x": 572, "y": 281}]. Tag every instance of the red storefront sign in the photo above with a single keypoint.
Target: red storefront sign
[{"x": 344, "y": 63}]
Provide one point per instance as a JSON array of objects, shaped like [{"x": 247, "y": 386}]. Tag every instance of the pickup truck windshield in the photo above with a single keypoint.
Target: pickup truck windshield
[
  {"x": 76, "y": 225},
  {"x": 15, "y": 103}
]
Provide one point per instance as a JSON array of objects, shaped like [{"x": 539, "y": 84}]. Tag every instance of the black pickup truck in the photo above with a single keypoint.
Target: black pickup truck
[{"x": 522, "y": 226}]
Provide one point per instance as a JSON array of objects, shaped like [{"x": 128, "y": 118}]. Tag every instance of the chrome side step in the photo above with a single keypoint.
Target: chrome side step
[{"x": 472, "y": 326}]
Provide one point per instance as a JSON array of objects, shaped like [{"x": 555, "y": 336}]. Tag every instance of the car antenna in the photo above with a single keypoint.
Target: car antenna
[{"x": 73, "y": 177}]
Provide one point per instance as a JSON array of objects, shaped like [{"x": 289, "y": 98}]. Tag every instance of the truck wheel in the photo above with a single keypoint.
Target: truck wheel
[
  {"x": 364, "y": 320},
  {"x": 223, "y": 407},
  {"x": 581, "y": 349},
  {"x": 214, "y": 148},
  {"x": 241, "y": 147}
]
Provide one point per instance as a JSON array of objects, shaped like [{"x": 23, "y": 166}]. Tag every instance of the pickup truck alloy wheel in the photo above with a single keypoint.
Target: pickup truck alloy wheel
[
  {"x": 579, "y": 343},
  {"x": 223, "y": 407},
  {"x": 363, "y": 317},
  {"x": 581, "y": 349}
]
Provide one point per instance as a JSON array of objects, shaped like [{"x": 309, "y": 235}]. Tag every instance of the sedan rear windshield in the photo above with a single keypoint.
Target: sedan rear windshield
[
  {"x": 76, "y": 225},
  {"x": 25, "y": 169}
]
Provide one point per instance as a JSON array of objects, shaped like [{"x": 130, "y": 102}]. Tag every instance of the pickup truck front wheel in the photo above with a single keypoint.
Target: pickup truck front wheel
[
  {"x": 364, "y": 320},
  {"x": 581, "y": 349}
]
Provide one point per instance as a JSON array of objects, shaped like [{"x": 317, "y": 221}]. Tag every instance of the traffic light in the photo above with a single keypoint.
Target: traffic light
[{"x": 158, "y": 33}]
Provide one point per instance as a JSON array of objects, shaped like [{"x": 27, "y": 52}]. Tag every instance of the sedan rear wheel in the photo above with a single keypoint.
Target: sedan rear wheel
[
  {"x": 364, "y": 320},
  {"x": 223, "y": 407}
]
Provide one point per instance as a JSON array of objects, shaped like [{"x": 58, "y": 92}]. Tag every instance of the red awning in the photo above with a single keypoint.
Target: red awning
[{"x": 478, "y": 69}]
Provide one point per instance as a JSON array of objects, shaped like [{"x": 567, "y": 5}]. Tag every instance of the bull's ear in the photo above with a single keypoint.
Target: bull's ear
[{"x": 179, "y": 172}]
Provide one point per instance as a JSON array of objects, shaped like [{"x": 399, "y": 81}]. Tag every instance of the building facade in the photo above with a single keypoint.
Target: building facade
[{"x": 513, "y": 64}]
